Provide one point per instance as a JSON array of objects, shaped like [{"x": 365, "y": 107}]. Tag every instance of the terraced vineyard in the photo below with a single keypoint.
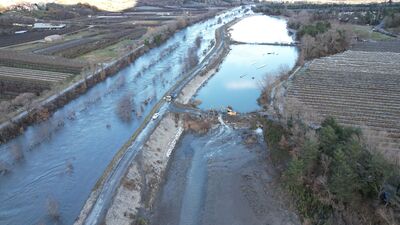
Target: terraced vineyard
[
  {"x": 40, "y": 62},
  {"x": 18, "y": 80},
  {"x": 357, "y": 88}
]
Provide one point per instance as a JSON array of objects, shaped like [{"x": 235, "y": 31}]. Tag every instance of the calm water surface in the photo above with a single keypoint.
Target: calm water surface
[
  {"x": 239, "y": 81},
  {"x": 261, "y": 29}
]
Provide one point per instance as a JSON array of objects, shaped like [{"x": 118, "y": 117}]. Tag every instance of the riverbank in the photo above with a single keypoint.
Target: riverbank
[{"x": 140, "y": 184}]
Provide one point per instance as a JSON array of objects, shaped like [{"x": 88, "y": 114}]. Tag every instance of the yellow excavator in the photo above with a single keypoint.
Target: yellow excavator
[{"x": 230, "y": 111}]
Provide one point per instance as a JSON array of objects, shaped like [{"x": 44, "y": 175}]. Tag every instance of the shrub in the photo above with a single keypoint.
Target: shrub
[
  {"x": 191, "y": 60},
  {"x": 269, "y": 83},
  {"x": 53, "y": 208},
  {"x": 198, "y": 41},
  {"x": 23, "y": 99},
  {"x": 182, "y": 22},
  {"x": 331, "y": 42},
  {"x": 17, "y": 152},
  {"x": 5, "y": 107},
  {"x": 124, "y": 108},
  {"x": 4, "y": 168},
  {"x": 392, "y": 20},
  {"x": 333, "y": 171},
  {"x": 314, "y": 29},
  {"x": 141, "y": 221}
]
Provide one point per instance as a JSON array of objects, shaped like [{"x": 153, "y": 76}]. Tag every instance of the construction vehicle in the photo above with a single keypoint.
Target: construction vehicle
[{"x": 230, "y": 111}]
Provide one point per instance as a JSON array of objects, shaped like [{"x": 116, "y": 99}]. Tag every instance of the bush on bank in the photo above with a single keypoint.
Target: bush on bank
[{"x": 331, "y": 175}]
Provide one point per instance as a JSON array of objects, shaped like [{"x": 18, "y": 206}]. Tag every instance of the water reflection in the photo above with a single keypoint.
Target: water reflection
[
  {"x": 239, "y": 81},
  {"x": 261, "y": 29}
]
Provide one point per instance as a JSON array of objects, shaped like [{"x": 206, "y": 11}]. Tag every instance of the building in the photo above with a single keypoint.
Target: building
[{"x": 48, "y": 26}]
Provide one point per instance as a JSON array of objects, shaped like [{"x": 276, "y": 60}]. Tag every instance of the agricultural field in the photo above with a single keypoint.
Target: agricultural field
[
  {"x": 18, "y": 80},
  {"x": 40, "y": 62},
  {"x": 358, "y": 88},
  {"x": 381, "y": 46},
  {"x": 16, "y": 39}
]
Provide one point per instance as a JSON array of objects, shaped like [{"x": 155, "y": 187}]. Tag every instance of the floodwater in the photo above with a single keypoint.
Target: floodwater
[
  {"x": 64, "y": 156},
  {"x": 247, "y": 67},
  {"x": 217, "y": 179}
]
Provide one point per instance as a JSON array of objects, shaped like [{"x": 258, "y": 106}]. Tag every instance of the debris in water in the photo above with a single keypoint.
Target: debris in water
[{"x": 261, "y": 66}]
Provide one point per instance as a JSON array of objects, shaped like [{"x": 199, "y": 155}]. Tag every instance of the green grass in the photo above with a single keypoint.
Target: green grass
[
  {"x": 108, "y": 53},
  {"x": 365, "y": 32}
]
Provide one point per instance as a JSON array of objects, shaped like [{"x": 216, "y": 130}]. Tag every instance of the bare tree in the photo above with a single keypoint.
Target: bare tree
[
  {"x": 17, "y": 152},
  {"x": 4, "y": 168},
  {"x": 308, "y": 46},
  {"x": 331, "y": 42},
  {"x": 5, "y": 107},
  {"x": 124, "y": 108},
  {"x": 53, "y": 208},
  {"x": 198, "y": 41},
  {"x": 270, "y": 82},
  {"x": 23, "y": 99},
  {"x": 69, "y": 167},
  {"x": 182, "y": 22},
  {"x": 191, "y": 60}
]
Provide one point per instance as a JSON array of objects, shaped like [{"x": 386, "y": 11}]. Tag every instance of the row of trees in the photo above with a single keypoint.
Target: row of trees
[
  {"x": 331, "y": 42},
  {"x": 392, "y": 20},
  {"x": 330, "y": 173},
  {"x": 23, "y": 100},
  {"x": 319, "y": 37}
]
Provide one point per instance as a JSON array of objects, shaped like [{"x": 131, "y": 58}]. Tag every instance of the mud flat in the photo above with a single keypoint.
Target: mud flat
[
  {"x": 140, "y": 184},
  {"x": 221, "y": 178}
]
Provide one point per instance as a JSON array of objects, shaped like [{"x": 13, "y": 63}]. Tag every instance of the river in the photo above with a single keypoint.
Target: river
[
  {"x": 239, "y": 81},
  {"x": 226, "y": 176},
  {"x": 64, "y": 156},
  {"x": 217, "y": 178}
]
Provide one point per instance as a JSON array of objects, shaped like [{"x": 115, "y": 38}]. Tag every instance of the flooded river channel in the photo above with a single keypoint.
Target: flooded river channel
[
  {"x": 218, "y": 178},
  {"x": 65, "y": 156},
  {"x": 225, "y": 177}
]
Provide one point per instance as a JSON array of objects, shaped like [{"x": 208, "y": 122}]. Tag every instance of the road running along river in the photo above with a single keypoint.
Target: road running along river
[{"x": 65, "y": 156}]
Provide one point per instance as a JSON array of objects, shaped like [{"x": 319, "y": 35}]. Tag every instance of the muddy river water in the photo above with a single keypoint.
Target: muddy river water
[
  {"x": 220, "y": 177},
  {"x": 65, "y": 156},
  {"x": 217, "y": 179}
]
